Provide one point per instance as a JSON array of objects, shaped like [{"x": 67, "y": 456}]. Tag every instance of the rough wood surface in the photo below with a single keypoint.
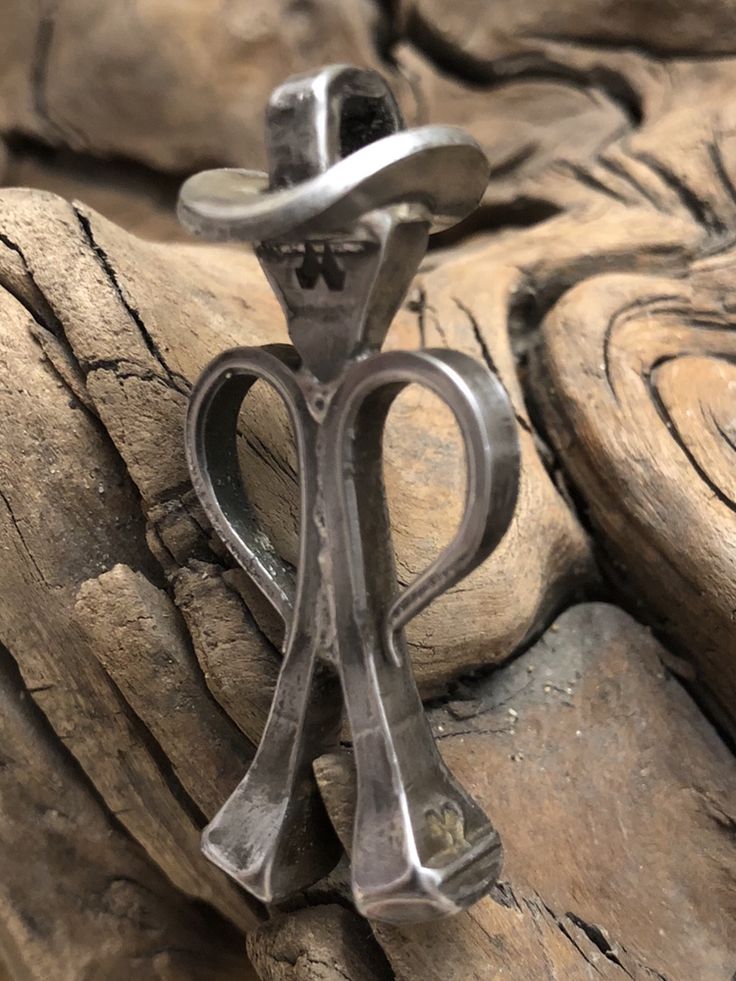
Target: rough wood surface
[
  {"x": 643, "y": 371},
  {"x": 170, "y": 84},
  {"x": 585, "y": 750},
  {"x": 140, "y": 199},
  {"x": 78, "y": 899},
  {"x": 139, "y": 637},
  {"x": 327, "y": 943},
  {"x": 68, "y": 512}
]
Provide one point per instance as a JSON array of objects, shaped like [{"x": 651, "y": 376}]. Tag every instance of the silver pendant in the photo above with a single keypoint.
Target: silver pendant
[{"x": 340, "y": 226}]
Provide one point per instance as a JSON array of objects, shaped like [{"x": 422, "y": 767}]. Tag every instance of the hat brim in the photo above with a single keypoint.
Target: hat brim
[{"x": 440, "y": 167}]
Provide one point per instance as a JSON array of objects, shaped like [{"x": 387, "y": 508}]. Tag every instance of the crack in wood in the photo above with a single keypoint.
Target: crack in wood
[
  {"x": 178, "y": 381},
  {"x": 530, "y": 65}
]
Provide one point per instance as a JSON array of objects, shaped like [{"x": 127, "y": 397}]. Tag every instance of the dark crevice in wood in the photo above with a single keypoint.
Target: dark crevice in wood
[
  {"x": 267, "y": 456},
  {"x": 29, "y": 552},
  {"x": 177, "y": 380},
  {"x": 47, "y": 322},
  {"x": 43, "y": 315},
  {"x": 701, "y": 211},
  {"x": 562, "y": 479},
  {"x": 385, "y": 35},
  {"x": 705, "y": 702},
  {"x": 619, "y": 170},
  {"x": 320, "y": 894},
  {"x": 650, "y": 379},
  {"x": 486, "y": 73},
  {"x": 175, "y": 495},
  {"x": 220, "y": 926},
  {"x": 520, "y": 212},
  {"x": 631, "y": 44},
  {"x": 503, "y": 894},
  {"x": 113, "y": 365},
  {"x": 488, "y": 357},
  {"x": 127, "y": 173},
  {"x": 565, "y": 931},
  {"x": 273, "y": 648},
  {"x": 647, "y": 302},
  {"x": 598, "y": 938},
  {"x": 417, "y": 303},
  {"x": 9, "y": 243},
  {"x": 727, "y": 438},
  {"x": 525, "y": 315},
  {"x": 153, "y": 530},
  {"x": 74, "y": 399},
  {"x": 201, "y": 679},
  {"x": 584, "y": 177},
  {"x": 513, "y": 162},
  {"x": 38, "y": 71},
  {"x": 719, "y": 166}
]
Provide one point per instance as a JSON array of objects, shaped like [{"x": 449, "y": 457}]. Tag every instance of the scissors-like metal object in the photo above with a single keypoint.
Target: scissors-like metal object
[{"x": 341, "y": 224}]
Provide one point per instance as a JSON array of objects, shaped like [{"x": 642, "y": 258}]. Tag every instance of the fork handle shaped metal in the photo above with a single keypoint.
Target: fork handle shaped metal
[
  {"x": 272, "y": 834},
  {"x": 422, "y": 846}
]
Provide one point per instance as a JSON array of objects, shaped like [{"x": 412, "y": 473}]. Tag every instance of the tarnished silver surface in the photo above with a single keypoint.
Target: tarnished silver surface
[{"x": 341, "y": 225}]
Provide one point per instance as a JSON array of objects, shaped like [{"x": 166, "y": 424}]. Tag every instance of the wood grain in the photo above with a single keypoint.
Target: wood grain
[
  {"x": 614, "y": 800},
  {"x": 169, "y": 85},
  {"x": 142, "y": 320},
  {"x": 327, "y": 943},
  {"x": 643, "y": 371},
  {"x": 138, "y": 636},
  {"x": 78, "y": 898},
  {"x": 56, "y": 453}
]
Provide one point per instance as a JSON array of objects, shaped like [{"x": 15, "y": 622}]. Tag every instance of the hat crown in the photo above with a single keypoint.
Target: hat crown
[{"x": 316, "y": 119}]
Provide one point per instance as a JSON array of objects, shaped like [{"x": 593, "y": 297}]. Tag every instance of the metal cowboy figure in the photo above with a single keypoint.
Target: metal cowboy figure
[{"x": 341, "y": 224}]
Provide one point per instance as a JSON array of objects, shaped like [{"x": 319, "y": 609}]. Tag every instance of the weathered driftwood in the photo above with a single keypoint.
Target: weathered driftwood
[
  {"x": 602, "y": 298},
  {"x": 167, "y": 106},
  {"x": 615, "y": 800},
  {"x": 78, "y": 899},
  {"x": 68, "y": 512},
  {"x": 139, "y": 199},
  {"x": 140, "y": 640},
  {"x": 102, "y": 335},
  {"x": 175, "y": 86},
  {"x": 642, "y": 369},
  {"x": 326, "y": 943},
  {"x": 141, "y": 320}
]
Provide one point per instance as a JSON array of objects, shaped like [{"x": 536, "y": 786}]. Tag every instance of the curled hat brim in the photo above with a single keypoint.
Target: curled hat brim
[{"x": 439, "y": 167}]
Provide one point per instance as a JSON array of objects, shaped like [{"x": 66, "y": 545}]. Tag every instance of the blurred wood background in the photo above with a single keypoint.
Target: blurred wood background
[{"x": 582, "y": 681}]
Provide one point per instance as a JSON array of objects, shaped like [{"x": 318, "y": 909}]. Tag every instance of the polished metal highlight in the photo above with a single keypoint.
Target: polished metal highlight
[{"x": 341, "y": 224}]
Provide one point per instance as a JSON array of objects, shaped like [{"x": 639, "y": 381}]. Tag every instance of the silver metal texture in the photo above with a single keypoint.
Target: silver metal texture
[{"x": 341, "y": 225}]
